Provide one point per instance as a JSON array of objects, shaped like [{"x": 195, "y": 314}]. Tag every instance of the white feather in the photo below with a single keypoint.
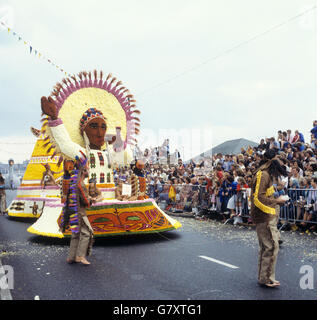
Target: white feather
[{"x": 87, "y": 143}]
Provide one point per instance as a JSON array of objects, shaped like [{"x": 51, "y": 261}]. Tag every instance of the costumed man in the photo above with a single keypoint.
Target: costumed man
[
  {"x": 138, "y": 171},
  {"x": 264, "y": 214},
  {"x": 137, "y": 181},
  {"x": 76, "y": 200}
]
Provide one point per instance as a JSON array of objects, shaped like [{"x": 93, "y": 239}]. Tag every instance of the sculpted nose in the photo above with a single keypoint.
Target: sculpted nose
[{"x": 100, "y": 131}]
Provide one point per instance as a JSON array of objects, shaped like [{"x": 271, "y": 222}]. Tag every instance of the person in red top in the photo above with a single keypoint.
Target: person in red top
[
  {"x": 296, "y": 137},
  {"x": 241, "y": 187},
  {"x": 219, "y": 173}
]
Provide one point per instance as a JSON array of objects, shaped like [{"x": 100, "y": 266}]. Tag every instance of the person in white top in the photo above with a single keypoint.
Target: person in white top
[{"x": 290, "y": 136}]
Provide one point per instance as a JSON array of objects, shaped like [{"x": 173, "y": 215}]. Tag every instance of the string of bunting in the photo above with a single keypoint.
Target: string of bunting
[{"x": 32, "y": 49}]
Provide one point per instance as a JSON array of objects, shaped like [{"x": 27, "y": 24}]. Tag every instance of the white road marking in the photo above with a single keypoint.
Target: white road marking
[
  {"x": 220, "y": 262},
  {"x": 5, "y": 294}
]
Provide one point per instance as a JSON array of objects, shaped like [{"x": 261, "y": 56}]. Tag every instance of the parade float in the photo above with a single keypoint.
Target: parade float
[{"x": 92, "y": 116}]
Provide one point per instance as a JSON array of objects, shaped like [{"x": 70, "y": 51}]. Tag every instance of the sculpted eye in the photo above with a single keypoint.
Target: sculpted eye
[{"x": 93, "y": 125}]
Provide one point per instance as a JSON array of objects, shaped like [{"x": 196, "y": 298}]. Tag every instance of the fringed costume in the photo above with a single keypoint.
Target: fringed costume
[{"x": 76, "y": 200}]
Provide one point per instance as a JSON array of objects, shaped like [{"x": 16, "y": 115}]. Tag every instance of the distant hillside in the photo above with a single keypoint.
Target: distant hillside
[{"x": 228, "y": 147}]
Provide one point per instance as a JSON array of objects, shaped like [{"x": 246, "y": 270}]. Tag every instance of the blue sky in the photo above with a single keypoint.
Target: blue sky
[{"x": 163, "y": 52}]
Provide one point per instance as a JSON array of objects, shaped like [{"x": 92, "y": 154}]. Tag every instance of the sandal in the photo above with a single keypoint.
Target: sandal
[
  {"x": 70, "y": 261},
  {"x": 82, "y": 260},
  {"x": 270, "y": 284}
]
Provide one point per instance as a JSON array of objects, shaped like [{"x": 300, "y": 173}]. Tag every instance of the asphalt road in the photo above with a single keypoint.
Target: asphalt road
[{"x": 204, "y": 260}]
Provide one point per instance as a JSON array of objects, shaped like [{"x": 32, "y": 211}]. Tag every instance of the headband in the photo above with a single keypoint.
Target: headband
[{"x": 88, "y": 115}]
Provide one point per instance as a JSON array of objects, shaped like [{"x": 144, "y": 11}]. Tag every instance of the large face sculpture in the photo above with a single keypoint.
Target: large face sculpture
[
  {"x": 93, "y": 123},
  {"x": 96, "y": 131}
]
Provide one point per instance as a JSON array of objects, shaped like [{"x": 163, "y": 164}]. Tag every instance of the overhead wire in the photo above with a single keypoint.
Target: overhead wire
[{"x": 227, "y": 51}]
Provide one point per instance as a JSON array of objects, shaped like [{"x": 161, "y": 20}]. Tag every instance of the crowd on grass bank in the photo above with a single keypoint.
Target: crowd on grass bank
[{"x": 221, "y": 183}]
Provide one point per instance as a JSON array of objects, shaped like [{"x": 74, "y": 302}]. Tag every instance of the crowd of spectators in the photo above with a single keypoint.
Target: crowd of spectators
[{"x": 221, "y": 183}]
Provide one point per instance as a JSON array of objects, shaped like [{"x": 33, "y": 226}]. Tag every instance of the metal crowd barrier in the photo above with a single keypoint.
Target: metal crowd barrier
[
  {"x": 177, "y": 197},
  {"x": 301, "y": 207},
  {"x": 197, "y": 199}
]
